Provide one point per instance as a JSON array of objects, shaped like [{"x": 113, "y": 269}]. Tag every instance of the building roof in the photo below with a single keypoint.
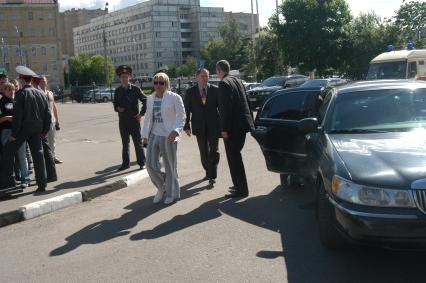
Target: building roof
[{"x": 28, "y": 1}]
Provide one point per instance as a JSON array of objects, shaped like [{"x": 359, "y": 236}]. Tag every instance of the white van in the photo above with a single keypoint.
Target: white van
[{"x": 401, "y": 64}]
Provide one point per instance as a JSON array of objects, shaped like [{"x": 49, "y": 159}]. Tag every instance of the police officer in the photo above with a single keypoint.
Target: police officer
[
  {"x": 126, "y": 103},
  {"x": 31, "y": 122}
]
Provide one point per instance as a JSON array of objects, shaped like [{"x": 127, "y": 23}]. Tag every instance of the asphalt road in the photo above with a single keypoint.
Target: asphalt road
[
  {"x": 270, "y": 236},
  {"x": 90, "y": 146}
]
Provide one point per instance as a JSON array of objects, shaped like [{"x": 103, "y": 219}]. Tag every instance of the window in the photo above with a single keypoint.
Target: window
[
  {"x": 412, "y": 69},
  {"x": 45, "y": 67},
  {"x": 53, "y": 50},
  {"x": 34, "y": 51},
  {"x": 43, "y": 51},
  {"x": 30, "y": 16},
  {"x": 289, "y": 106}
]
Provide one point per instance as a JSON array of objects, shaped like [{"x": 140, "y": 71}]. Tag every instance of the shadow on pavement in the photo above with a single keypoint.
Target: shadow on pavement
[
  {"x": 109, "y": 229},
  {"x": 292, "y": 214}
]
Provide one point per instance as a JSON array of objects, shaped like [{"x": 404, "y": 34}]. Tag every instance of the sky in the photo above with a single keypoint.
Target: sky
[{"x": 383, "y": 8}]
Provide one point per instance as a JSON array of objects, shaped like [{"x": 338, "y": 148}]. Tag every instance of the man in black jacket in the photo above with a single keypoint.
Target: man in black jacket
[
  {"x": 236, "y": 121},
  {"x": 126, "y": 103},
  {"x": 31, "y": 122},
  {"x": 201, "y": 106}
]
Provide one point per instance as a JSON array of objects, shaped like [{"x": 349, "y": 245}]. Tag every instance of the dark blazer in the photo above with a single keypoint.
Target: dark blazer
[
  {"x": 128, "y": 98},
  {"x": 204, "y": 118},
  {"x": 31, "y": 113},
  {"x": 235, "y": 113}
]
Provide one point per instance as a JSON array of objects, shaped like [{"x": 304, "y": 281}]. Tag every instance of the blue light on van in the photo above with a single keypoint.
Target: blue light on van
[
  {"x": 410, "y": 46},
  {"x": 389, "y": 47}
]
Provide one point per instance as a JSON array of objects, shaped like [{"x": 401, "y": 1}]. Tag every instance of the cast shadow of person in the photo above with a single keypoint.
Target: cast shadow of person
[
  {"x": 292, "y": 215},
  {"x": 105, "y": 230}
]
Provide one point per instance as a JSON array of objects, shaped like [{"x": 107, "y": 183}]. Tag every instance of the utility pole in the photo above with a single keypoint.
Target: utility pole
[
  {"x": 105, "y": 46},
  {"x": 3, "y": 52},
  {"x": 19, "y": 44}
]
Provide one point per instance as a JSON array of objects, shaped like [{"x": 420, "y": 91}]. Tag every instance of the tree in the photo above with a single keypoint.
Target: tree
[
  {"x": 312, "y": 33},
  {"x": 369, "y": 36},
  {"x": 265, "y": 57},
  {"x": 85, "y": 69},
  {"x": 411, "y": 19},
  {"x": 230, "y": 46}
]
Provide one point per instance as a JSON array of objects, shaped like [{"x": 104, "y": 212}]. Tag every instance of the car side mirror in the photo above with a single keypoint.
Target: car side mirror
[{"x": 308, "y": 125}]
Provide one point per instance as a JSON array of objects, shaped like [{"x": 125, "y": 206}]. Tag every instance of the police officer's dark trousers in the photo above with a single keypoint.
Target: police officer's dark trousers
[
  {"x": 9, "y": 151},
  {"x": 129, "y": 126}
]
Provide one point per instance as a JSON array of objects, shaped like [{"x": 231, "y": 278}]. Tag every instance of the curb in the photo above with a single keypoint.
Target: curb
[{"x": 38, "y": 208}]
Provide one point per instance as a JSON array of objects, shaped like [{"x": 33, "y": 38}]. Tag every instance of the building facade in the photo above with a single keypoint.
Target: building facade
[
  {"x": 71, "y": 19},
  {"x": 248, "y": 23},
  {"x": 151, "y": 35},
  {"x": 29, "y": 36}
]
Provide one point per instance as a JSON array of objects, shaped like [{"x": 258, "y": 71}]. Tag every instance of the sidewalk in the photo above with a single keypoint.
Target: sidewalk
[{"x": 89, "y": 145}]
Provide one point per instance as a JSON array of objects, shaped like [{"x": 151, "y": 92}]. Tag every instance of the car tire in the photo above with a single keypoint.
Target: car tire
[
  {"x": 330, "y": 236},
  {"x": 105, "y": 99}
]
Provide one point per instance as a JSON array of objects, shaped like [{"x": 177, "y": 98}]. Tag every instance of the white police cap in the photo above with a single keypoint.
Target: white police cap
[{"x": 25, "y": 71}]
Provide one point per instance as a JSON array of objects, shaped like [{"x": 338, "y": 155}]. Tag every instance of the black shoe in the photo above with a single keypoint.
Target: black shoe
[
  {"x": 123, "y": 168},
  {"x": 51, "y": 180},
  {"x": 205, "y": 178},
  {"x": 232, "y": 189},
  {"x": 40, "y": 191},
  {"x": 211, "y": 183},
  {"x": 236, "y": 195},
  {"x": 141, "y": 167}
]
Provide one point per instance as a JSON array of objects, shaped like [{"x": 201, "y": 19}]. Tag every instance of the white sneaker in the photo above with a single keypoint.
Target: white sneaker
[
  {"x": 158, "y": 197},
  {"x": 168, "y": 200}
]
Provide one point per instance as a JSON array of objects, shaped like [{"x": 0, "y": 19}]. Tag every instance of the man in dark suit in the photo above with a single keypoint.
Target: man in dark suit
[
  {"x": 201, "y": 106},
  {"x": 126, "y": 103},
  {"x": 236, "y": 121},
  {"x": 31, "y": 122}
]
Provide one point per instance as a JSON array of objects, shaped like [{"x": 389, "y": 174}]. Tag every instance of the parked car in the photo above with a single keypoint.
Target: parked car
[
  {"x": 323, "y": 83},
  {"x": 250, "y": 86},
  {"x": 364, "y": 148},
  {"x": 98, "y": 95},
  {"x": 258, "y": 94}
]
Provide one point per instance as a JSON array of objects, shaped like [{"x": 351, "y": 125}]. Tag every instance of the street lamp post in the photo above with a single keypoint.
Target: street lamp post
[
  {"x": 3, "y": 53},
  {"x": 19, "y": 43},
  {"x": 105, "y": 45}
]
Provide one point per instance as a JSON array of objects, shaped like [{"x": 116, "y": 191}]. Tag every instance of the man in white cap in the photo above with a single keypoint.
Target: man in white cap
[{"x": 31, "y": 122}]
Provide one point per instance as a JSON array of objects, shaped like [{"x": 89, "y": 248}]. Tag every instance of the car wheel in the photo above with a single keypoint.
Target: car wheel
[
  {"x": 105, "y": 99},
  {"x": 330, "y": 237}
]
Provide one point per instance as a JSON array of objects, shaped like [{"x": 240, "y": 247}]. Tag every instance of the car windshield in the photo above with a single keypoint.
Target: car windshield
[
  {"x": 379, "y": 110},
  {"x": 274, "y": 81},
  {"x": 315, "y": 83},
  {"x": 387, "y": 70}
]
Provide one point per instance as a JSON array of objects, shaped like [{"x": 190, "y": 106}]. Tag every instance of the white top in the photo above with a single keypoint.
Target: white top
[
  {"x": 172, "y": 113},
  {"x": 400, "y": 55},
  {"x": 158, "y": 127}
]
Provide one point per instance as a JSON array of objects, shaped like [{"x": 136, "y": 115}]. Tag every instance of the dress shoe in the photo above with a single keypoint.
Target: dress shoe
[
  {"x": 24, "y": 185},
  {"x": 40, "y": 191},
  {"x": 211, "y": 183},
  {"x": 141, "y": 167},
  {"x": 168, "y": 200},
  {"x": 122, "y": 168},
  {"x": 51, "y": 180},
  {"x": 205, "y": 178},
  {"x": 158, "y": 197},
  {"x": 58, "y": 161},
  {"x": 236, "y": 195}
]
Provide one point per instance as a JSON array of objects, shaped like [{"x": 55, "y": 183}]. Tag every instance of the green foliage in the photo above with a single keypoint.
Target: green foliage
[
  {"x": 312, "y": 33},
  {"x": 230, "y": 46},
  {"x": 369, "y": 37},
  {"x": 185, "y": 70},
  {"x": 85, "y": 69},
  {"x": 265, "y": 58},
  {"x": 411, "y": 20}
]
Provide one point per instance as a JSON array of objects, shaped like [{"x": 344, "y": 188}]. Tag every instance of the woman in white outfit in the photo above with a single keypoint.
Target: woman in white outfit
[{"x": 164, "y": 119}]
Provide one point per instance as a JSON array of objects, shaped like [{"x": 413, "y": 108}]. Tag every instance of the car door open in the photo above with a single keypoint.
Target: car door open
[{"x": 277, "y": 131}]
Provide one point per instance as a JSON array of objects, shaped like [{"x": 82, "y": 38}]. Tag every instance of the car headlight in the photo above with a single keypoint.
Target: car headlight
[{"x": 370, "y": 196}]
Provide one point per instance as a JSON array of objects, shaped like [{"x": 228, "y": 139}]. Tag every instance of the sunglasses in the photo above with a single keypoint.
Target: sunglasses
[{"x": 159, "y": 83}]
